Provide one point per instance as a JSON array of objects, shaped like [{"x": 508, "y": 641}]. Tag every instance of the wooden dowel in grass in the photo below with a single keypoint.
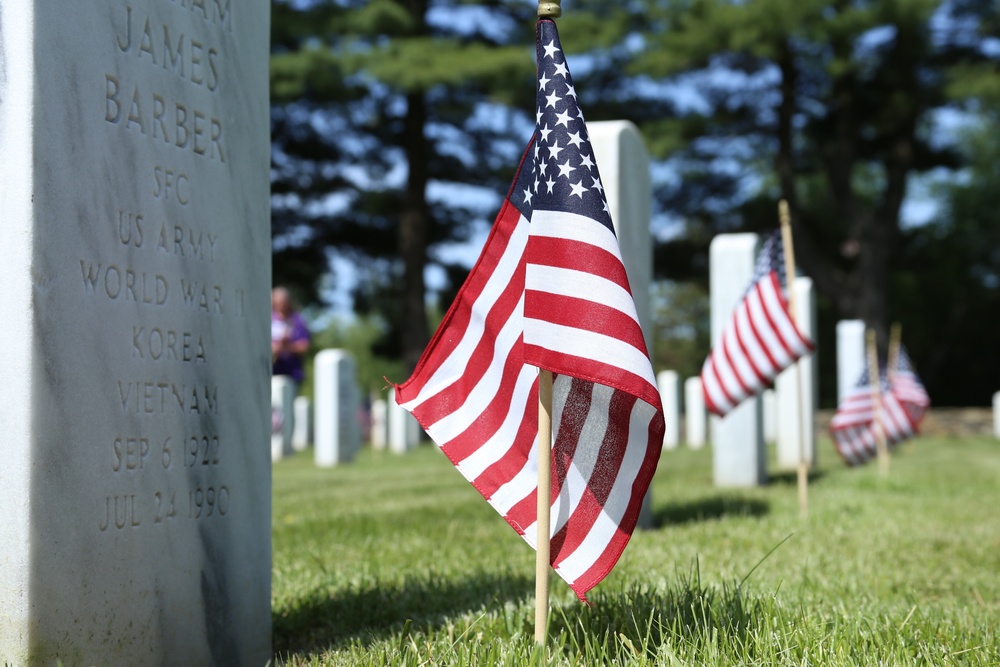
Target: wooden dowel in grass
[
  {"x": 803, "y": 469},
  {"x": 544, "y": 505},
  {"x": 875, "y": 379}
]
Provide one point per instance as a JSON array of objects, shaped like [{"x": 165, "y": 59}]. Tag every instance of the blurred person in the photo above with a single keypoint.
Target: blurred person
[{"x": 289, "y": 337}]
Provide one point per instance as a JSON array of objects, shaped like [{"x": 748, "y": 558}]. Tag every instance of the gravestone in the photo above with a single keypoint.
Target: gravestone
[
  {"x": 996, "y": 415},
  {"x": 380, "y": 426},
  {"x": 302, "y": 429},
  {"x": 795, "y": 420},
  {"x": 403, "y": 428},
  {"x": 850, "y": 355},
  {"x": 769, "y": 413},
  {"x": 337, "y": 431},
  {"x": 135, "y": 488},
  {"x": 282, "y": 416},
  {"x": 694, "y": 413},
  {"x": 669, "y": 383},
  {"x": 621, "y": 157},
  {"x": 738, "y": 453}
]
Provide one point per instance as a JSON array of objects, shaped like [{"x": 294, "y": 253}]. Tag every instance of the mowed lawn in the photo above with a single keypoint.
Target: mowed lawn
[{"x": 397, "y": 560}]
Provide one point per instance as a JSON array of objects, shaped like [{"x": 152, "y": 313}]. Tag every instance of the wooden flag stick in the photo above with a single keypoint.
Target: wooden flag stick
[
  {"x": 786, "y": 240},
  {"x": 874, "y": 378},
  {"x": 546, "y": 9},
  {"x": 895, "y": 333},
  {"x": 544, "y": 505}
]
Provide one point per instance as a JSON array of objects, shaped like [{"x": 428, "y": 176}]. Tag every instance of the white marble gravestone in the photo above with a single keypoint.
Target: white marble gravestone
[
  {"x": 380, "y": 426},
  {"x": 795, "y": 420},
  {"x": 996, "y": 415},
  {"x": 621, "y": 157},
  {"x": 669, "y": 384},
  {"x": 302, "y": 429},
  {"x": 282, "y": 416},
  {"x": 769, "y": 414},
  {"x": 135, "y": 488},
  {"x": 401, "y": 431},
  {"x": 695, "y": 417},
  {"x": 738, "y": 453},
  {"x": 850, "y": 355},
  {"x": 337, "y": 431}
]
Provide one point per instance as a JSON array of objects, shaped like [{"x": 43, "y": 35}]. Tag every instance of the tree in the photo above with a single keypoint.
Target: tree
[
  {"x": 374, "y": 103},
  {"x": 829, "y": 104}
]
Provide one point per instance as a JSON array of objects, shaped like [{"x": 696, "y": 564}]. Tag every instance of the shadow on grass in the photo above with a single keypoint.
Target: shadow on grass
[
  {"x": 791, "y": 477},
  {"x": 625, "y": 625},
  {"x": 376, "y": 611},
  {"x": 707, "y": 509}
]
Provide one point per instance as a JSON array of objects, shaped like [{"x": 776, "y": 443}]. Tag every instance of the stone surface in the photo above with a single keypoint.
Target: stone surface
[
  {"x": 621, "y": 157},
  {"x": 282, "y": 416},
  {"x": 799, "y": 382},
  {"x": 769, "y": 414},
  {"x": 135, "y": 247},
  {"x": 302, "y": 432},
  {"x": 380, "y": 425},
  {"x": 337, "y": 432},
  {"x": 738, "y": 453},
  {"x": 403, "y": 428},
  {"x": 695, "y": 417},
  {"x": 996, "y": 415},
  {"x": 850, "y": 355},
  {"x": 669, "y": 383}
]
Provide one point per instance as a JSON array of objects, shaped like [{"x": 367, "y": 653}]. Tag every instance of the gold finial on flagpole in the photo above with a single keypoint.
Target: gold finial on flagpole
[{"x": 550, "y": 10}]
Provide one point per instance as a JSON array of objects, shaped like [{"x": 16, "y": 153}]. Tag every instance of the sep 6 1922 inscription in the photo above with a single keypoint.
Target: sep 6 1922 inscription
[{"x": 139, "y": 242}]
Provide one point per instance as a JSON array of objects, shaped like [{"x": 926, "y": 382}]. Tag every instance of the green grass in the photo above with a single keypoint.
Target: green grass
[{"x": 398, "y": 561}]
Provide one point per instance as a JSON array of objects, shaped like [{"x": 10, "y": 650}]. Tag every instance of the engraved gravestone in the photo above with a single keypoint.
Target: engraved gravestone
[{"x": 135, "y": 490}]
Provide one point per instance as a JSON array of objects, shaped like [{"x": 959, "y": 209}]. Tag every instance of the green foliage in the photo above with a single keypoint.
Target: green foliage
[
  {"x": 359, "y": 337},
  {"x": 398, "y": 560},
  {"x": 681, "y": 331}
]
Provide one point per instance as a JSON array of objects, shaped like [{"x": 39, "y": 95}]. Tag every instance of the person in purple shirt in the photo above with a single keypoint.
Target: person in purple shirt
[{"x": 289, "y": 337}]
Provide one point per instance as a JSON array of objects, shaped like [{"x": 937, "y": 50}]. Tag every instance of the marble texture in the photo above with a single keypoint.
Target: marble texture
[
  {"x": 850, "y": 355},
  {"x": 669, "y": 384},
  {"x": 695, "y": 416},
  {"x": 738, "y": 453},
  {"x": 282, "y": 416},
  {"x": 302, "y": 431},
  {"x": 135, "y": 247},
  {"x": 338, "y": 436}
]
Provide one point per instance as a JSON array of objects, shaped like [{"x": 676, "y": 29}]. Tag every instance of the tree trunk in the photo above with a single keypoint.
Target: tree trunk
[{"x": 414, "y": 221}]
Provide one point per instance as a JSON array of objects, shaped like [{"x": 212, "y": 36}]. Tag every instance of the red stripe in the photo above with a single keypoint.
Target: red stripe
[
  {"x": 583, "y": 314},
  {"x": 780, "y": 294},
  {"x": 724, "y": 349},
  {"x": 503, "y": 470},
  {"x": 770, "y": 323},
  {"x": 577, "y": 256},
  {"x": 763, "y": 377},
  {"x": 587, "y": 369}
]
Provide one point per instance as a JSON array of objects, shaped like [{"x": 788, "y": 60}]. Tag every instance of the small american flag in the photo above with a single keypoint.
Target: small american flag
[
  {"x": 854, "y": 428},
  {"x": 908, "y": 389},
  {"x": 549, "y": 290},
  {"x": 758, "y": 342}
]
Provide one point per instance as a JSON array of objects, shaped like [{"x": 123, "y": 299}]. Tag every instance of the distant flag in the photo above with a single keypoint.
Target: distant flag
[
  {"x": 908, "y": 389},
  {"x": 759, "y": 341},
  {"x": 853, "y": 426},
  {"x": 549, "y": 290}
]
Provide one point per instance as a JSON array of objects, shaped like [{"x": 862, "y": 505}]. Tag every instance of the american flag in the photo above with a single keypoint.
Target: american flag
[
  {"x": 908, "y": 389},
  {"x": 549, "y": 290},
  {"x": 854, "y": 428},
  {"x": 759, "y": 341}
]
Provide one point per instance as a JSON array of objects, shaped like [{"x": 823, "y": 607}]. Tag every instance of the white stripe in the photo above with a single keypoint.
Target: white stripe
[
  {"x": 573, "y": 227},
  {"x": 497, "y": 446},
  {"x": 768, "y": 337},
  {"x": 589, "y": 345},
  {"x": 739, "y": 362},
  {"x": 452, "y": 368},
  {"x": 727, "y": 375},
  {"x": 581, "y": 285},
  {"x": 456, "y": 422},
  {"x": 518, "y": 488},
  {"x": 608, "y": 523}
]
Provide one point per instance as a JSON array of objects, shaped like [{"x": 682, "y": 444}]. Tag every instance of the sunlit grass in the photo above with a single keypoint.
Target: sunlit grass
[{"x": 398, "y": 561}]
